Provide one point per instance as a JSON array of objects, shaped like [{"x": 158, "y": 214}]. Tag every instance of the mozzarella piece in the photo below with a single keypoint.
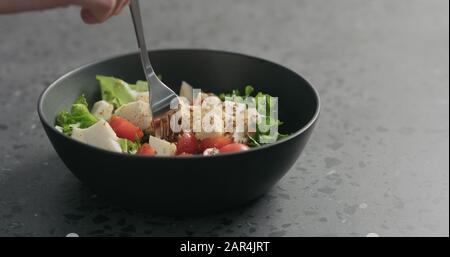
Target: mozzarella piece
[
  {"x": 211, "y": 109},
  {"x": 100, "y": 135},
  {"x": 199, "y": 98},
  {"x": 215, "y": 127},
  {"x": 59, "y": 128},
  {"x": 78, "y": 134},
  {"x": 143, "y": 96},
  {"x": 211, "y": 151},
  {"x": 137, "y": 113},
  {"x": 186, "y": 90},
  {"x": 240, "y": 137},
  {"x": 162, "y": 147},
  {"x": 102, "y": 110},
  {"x": 202, "y": 135}
]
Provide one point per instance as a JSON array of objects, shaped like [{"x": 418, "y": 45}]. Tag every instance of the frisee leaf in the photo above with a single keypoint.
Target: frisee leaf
[
  {"x": 79, "y": 116},
  {"x": 248, "y": 90},
  {"x": 129, "y": 146}
]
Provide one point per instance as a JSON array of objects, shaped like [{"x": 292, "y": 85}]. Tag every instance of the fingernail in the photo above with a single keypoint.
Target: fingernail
[{"x": 88, "y": 17}]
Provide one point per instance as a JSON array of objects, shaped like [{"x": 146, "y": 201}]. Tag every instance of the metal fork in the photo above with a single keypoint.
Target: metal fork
[{"x": 160, "y": 94}]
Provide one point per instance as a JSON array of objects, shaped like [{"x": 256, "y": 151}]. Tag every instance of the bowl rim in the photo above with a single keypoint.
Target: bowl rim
[{"x": 300, "y": 131}]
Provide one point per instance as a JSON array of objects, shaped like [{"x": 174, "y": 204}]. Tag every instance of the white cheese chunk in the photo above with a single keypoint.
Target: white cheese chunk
[
  {"x": 100, "y": 135},
  {"x": 211, "y": 152},
  {"x": 143, "y": 96},
  {"x": 214, "y": 128},
  {"x": 203, "y": 135},
  {"x": 102, "y": 110},
  {"x": 211, "y": 121},
  {"x": 59, "y": 128},
  {"x": 186, "y": 91},
  {"x": 137, "y": 113},
  {"x": 240, "y": 137},
  {"x": 78, "y": 134},
  {"x": 162, "y": 147}
]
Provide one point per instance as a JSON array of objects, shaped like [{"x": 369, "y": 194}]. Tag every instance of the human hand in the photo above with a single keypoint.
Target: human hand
[{"x": 92, "y": 11}]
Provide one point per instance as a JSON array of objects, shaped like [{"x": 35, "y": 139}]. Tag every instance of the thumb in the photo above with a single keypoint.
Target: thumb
[{"x": 96, "y": 11}]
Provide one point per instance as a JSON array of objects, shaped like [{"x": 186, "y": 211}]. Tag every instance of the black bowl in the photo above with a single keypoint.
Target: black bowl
[{"x": 186, "y": 185}]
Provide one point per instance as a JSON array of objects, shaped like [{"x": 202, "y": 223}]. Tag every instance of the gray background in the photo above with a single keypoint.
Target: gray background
[{"x": 377, "y": 162}]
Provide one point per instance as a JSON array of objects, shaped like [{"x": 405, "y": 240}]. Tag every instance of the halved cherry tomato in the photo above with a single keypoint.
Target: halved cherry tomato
[
  {"x": 214, "y": 142},
  {"x": 187, "y": 143},
  {"x": 125, "y": 129},
  {"x": 146, "y": 150},
  {"x": 233, "y": 148}
]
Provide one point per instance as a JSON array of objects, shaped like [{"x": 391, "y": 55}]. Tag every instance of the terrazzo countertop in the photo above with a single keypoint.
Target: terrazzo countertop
[{"x": 377, "y": 163}]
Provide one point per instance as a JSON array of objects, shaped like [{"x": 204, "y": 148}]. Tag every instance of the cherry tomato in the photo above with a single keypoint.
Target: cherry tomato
[
  {"x": 187, "y": 143},
  {"x": 146, "y": 150},
  {"x": 125, "y": 129},
  {"x": 214, "y": 142},
  {"x": 233, "y": 148}
]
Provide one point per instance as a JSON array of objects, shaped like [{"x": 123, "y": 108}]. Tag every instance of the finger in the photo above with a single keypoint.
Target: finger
[
  {"x": 10, "y": 6},
  {"x": 120, "y": 6},
  {"x": 88, "y": 17},
  {"x": 100, "y": 10}
]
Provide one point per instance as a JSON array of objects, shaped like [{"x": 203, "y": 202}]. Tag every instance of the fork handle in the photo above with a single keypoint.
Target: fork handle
[{"x": 139, "y": 29}]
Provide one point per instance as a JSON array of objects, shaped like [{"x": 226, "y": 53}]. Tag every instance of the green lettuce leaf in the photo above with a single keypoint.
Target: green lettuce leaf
[
  {"x": 81, "y": 100},
  {"x": 140, "y": 86},
  {"x": 263, "y": 128},
  {"x": 129, "y": 146},
  {"x": 79, "y": 116},
  {"x": 248, "y": 90},
  {"x": 117, "y": 91}
]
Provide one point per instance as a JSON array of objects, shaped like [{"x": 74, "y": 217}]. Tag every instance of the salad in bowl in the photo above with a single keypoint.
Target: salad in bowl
[
  {"x": 197, "y": 123},
  {"x": 110, "y": 141}
]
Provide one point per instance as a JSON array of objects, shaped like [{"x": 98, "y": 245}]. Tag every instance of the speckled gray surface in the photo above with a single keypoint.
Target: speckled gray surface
[{"x": 377, "y": 162}]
